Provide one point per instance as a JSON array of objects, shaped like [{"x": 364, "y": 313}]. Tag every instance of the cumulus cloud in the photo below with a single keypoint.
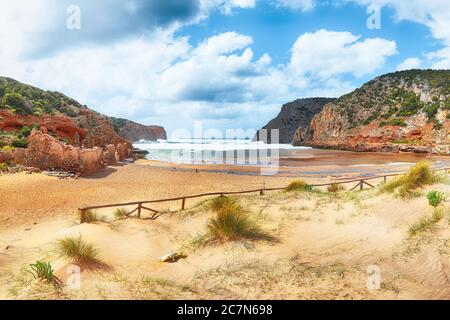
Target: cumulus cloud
[
  {"x": 324, "y": 54},
  {"x": 102, "y": 21},
  {"x": 147, "y": 73},
  {"x": 435, "y": 14},
  {"x": 410, "y": 63}
]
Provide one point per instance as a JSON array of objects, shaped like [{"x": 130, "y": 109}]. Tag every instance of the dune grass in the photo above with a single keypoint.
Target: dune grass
[
  {"x": 121, "y": 213},
  {"x": 91, "y": 216},
  {"x": 79, "y": 252},
  {"x": 418, "y": 176},
  {"x": 298, "y": 185},
  {"x": 426, "y": 223},
  {"x": 230, "y": 222},
  {"x": 335, "y": 188}
]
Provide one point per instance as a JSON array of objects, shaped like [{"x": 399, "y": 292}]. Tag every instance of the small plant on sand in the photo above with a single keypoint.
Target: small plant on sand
[
  {"x": 91, "y": 216},
  {"x": 335, "y": 188},
  {"x": 230, "y": 221},
  {"x": 3, "y": 167},
  {"x": 121, "y": 213},
  {"x": 435, "y": 198},
  {"x": 425, "y": 223},
  {"x": 42, "y": 271},
  {"x": 298, "y": 185},
  {"x": 77, "y": 251},
  {"x": 418, "y": 176}
]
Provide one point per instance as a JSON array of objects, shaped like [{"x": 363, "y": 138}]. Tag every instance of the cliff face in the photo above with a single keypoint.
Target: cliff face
[
  {"x": 402, "y": 111},
  {"x": 294, "y": 115},
  {"x": 133, "y": 131},
  {"x": 23, "y": 107}
]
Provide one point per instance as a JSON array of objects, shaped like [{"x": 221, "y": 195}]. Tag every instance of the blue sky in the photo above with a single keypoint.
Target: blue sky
[{"x": 227, "y": 64}]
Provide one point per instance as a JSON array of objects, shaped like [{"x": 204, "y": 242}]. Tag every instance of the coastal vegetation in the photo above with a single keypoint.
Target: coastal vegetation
[
  {"x": 418, "y": 176},
  {"x": 426, "y": 223},
  {"x": 91, "y": 216},
  {"x": 435, "y": 198},
  {"x": 299, "y": 186},
  {"x": 76, "y": 250},
  {"x": 120, "y": 213}
]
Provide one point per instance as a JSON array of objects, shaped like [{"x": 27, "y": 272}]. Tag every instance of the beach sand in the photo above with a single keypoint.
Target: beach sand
[{"x": 324, "y": 242}]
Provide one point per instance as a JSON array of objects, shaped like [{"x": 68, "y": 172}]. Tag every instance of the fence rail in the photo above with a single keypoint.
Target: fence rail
[{"x": 140, "y": 204}]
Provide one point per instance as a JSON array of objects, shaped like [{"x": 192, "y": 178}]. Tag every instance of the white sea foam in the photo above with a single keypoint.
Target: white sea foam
[{"x": 208, "y": 150}]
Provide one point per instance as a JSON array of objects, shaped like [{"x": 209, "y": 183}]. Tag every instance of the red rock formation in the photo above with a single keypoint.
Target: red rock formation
[
  {"x": 62, "y": 126},
  {"x": 47, "y": 153}
]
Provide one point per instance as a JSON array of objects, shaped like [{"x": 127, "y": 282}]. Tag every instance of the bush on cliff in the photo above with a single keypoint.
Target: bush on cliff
[{"x": 20, "y": 143}]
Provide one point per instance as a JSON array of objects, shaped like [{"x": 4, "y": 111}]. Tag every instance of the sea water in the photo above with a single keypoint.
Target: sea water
[{"x": 215, "y": 151}]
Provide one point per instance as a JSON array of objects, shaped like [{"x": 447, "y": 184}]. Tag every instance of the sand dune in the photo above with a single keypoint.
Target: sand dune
[{"x": 324, "y": 242}]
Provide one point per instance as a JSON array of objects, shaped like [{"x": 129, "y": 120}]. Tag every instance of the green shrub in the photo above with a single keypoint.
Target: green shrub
[
  {"x": 298, "y": 185},
  {"x": 20, "y": 143},
  {"x": 431, "y": 110},
  {"x": 13, "y": 100},
  {"x": 25, "y": 132},
  {"x": 42, "y": 271},
  {"x": 3, "y": 167},
  {"x": 435, "y": 198}
]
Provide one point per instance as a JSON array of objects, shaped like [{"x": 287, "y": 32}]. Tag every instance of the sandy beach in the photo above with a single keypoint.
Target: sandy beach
[{"x": 324, "y": 241}]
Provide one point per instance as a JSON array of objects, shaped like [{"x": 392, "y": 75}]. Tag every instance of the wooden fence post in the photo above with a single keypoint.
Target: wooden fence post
[
  {"x": 183, "y": 204},
  {"x": 82, "y": 215},
  {"x": 361, "y": 186},
  {"x": 139, "y": 209}
]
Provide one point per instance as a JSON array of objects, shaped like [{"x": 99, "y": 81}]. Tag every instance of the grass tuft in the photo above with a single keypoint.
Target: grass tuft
[
  {"x": 79, "y": 252},
  {"x": 335, "y": 188},
  {"x": 298, "y": 185},
  {"x": 121, "y": 213},
  {"x": 92, "y": 216},
  {"x": 418, "y": 176},
  {"x": 230, "y": 221},
  {"x": 426, "y": 223}
]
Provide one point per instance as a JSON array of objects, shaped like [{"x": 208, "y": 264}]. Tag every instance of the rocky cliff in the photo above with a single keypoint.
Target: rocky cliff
[
  {"x": 133, "y": 131},
  {"x": 23, "y": 107},
  {"x": 294, "y": 115},
  {"x": 402, "y": 111}
]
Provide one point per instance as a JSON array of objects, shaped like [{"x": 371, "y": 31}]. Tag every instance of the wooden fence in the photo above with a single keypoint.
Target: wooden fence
[{"x": 142, "y": 205}]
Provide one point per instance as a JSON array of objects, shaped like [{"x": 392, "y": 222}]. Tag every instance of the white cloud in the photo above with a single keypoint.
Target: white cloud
[
  {"x": 303, "y": 5},
  {"x": 435, "y": 14},
  {"x": 324, "y": 54},
  {"x": 157, "y": 77},
  {"x": 410, "y": 63}
]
